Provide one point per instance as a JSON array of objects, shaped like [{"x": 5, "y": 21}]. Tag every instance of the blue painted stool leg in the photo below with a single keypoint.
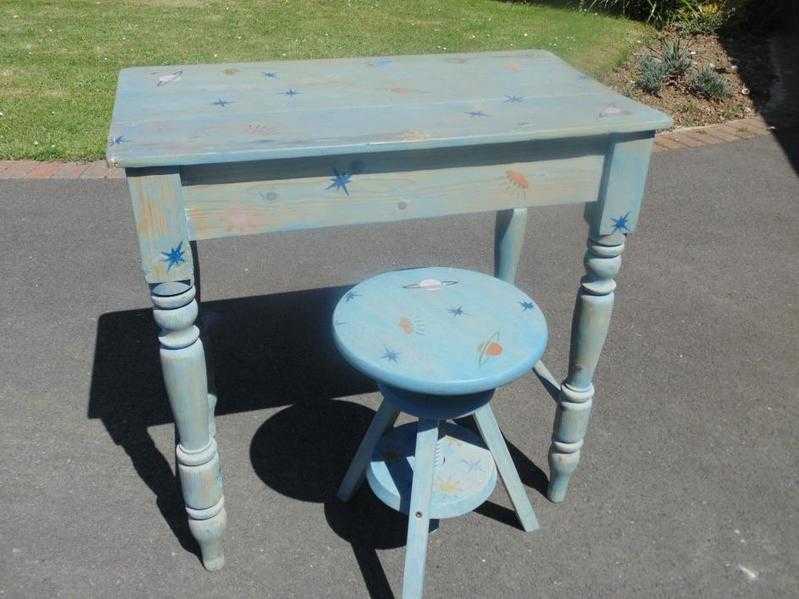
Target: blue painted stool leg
[
  {"x": 383, "y": 420},
  {"x": 492, "y": 436},
  {"x": 508, "y": 242},
  {"x": 419, "y": 512}
]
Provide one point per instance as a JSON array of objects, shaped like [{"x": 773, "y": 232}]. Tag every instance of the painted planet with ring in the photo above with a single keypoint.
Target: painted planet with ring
[{"x": 430, "y": 284}]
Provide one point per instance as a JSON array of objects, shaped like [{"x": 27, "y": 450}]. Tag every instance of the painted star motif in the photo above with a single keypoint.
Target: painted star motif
[
  {"x": 351, "y": 295},
  {"x": 270, "y": 75},
  {"x": 222, "y": 103},
  {"x": 174, "y": 256},
  {"x": 513, "y": 99},
  {"x": 290, "y": 92},
  {"x": 456, "y": 311},
  {"x": 472, "y": 466},
  {"x": 526, "y": 305},
  {"x": 119, "y": 139},
  {"x": 476, "y": 113},
  {"x": 340, "y": 180},
  {"x": 390, "y": 355},
  {"x": 622, "y": 223}
]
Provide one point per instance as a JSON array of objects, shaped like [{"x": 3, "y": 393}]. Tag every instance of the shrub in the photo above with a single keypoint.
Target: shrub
[
  {"x": 657, "y": 11},
  {"x": 700, "y": 16},
  {"x": 676, "y": 58},
  {"x": 697, "y": 17},
  {"x": 651, "y": 75},
  {"x": 710, "y": 84}
]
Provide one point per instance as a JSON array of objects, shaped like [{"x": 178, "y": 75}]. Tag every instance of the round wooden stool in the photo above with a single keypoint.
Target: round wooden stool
[{"x": 438, "y": 341}]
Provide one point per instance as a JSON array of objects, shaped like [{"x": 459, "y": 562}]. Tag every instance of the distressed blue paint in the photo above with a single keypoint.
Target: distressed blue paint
[
  {"x": 477, "y": 113},
  {"x": 496, "y": 344},
  {"x": 577, "y": 142},
  {"x": 622, "y": 187},
  {"x": 336, "y": 118}
]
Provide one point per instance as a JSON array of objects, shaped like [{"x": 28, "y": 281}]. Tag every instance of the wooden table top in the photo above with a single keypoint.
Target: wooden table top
[{"x": 204, "y": 114}]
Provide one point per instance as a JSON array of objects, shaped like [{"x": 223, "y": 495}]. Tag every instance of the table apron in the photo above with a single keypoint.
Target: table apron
[{"x": 245, "y": 199}]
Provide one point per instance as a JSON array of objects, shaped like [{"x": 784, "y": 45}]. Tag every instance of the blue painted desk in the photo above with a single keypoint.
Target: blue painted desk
[{"x": 239, "y": 149}]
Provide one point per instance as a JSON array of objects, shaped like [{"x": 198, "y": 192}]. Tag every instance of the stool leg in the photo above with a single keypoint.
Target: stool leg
[
  {"x": 419, "y": 511},
  {"x": 492, "y": 436},
  {"x": 384, "y": 419}
]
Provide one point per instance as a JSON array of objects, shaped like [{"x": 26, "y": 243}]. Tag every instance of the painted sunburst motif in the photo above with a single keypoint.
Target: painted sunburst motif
[
  {"x": 411, "y": 326},
  {"x": 517, "y": 183},
  {"x": 448, "y": 486}
]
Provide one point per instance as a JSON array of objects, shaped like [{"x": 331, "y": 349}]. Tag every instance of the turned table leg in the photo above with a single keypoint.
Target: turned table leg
[
  {"x": 508, "y": 242},
  {"x": 183, "y": 363},
  {"x": 589, "y": 330}
]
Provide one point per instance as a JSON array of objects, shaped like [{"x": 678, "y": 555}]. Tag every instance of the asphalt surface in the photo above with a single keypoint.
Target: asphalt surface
[{"x": 688, "y": 483}]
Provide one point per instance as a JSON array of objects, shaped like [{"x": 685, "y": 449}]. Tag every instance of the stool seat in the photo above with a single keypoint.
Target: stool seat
[{"x": 442, "y": 331}]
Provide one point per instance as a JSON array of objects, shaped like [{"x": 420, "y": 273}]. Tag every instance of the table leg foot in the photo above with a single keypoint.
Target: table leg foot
[{"x": 208, "y": 532}]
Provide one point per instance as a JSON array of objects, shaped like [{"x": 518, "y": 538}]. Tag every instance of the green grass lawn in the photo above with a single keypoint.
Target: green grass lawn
[{"x": 59, "y": 59}]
